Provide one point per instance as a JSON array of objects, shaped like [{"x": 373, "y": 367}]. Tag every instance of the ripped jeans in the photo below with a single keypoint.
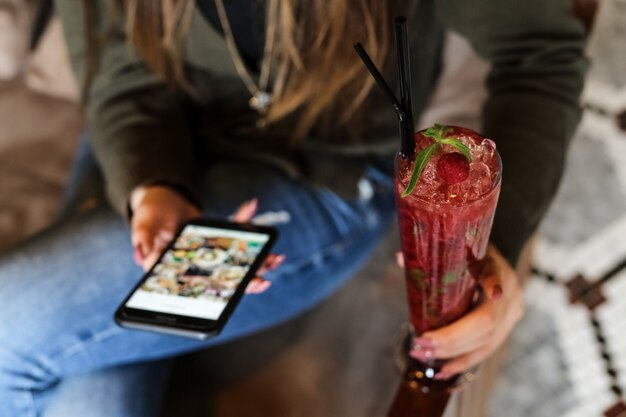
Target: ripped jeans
[{"x": 61, "y": 354}]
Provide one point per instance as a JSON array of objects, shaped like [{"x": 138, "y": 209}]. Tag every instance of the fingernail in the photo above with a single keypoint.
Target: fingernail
[
  {"x": 442, "y": 375},
  {"x": 424, "y": 343},
  {"x": 496, "y": 292},
  {"x": 137, "y": 255},
  {"x": 279, "y": 259},
  {"x": 417, "y": 354},
  {"x": 253, "y": 286},
  {"x": 423, "y": 355},
  {"x": 252, "y": 204},
  {"x": 245, "y": 211},
  {"x": 400, "y": 259},
  {"x": 258, "y": 285}
]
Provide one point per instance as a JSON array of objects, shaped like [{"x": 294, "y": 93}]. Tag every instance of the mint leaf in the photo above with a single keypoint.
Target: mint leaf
[
  {"x": 463, "y": 148},
  {"x": 419, "y": 278},
  {"x": 437, "y": 132},
  {"x": 420, "y": 163},
  {"x": 417, "y": 273},
  {"x": 430, "y": 311},
  {"x": 449, "y": 278},
  {"x": 472, "y": 232}
]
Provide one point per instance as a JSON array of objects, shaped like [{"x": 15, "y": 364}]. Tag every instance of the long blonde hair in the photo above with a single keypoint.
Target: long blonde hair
[{"x": 319, "y": 79}]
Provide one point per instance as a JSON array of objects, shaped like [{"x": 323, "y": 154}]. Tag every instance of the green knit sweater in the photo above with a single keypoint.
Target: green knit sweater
[{"x": 143, "y": 132}]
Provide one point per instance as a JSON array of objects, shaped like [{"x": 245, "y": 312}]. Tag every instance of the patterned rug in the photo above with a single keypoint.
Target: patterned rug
[{"x": 568, "y": 355}]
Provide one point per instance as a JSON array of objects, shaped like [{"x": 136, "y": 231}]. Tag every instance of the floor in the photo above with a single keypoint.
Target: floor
[
  {"x": 40, "y": 124},
  {"x": 567, "y": 356},
  {"x": 37, "y": 140}
]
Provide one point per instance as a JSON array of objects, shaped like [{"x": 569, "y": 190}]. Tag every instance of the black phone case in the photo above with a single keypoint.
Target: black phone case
[{"x": 189, "y": 326}]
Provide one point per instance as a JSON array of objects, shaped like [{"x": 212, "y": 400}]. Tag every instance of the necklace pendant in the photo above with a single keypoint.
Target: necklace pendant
[{"x": 260, "y": 101}]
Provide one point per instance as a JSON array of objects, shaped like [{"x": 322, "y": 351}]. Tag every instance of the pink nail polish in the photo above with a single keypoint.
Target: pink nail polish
[
  {"x": 424, "y": 343},
  {"x": 252, "y": 204},
  {"x": 442, "y": 375},
  {"x": 137, "y": 255},
  {"x": 424, "y": 354},
  {"x": 278, "y": 260},
  {"x": 419, "y": 355},
  {"x": 496, "y": 292},
  {"x": 400, "y": 259}
]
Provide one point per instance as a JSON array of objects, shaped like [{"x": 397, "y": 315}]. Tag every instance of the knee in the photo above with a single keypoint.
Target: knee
[
  {"x": 23, "y": 370},
  {"x": 23, "y": 363},
  {"x": 21, "y": 374}
]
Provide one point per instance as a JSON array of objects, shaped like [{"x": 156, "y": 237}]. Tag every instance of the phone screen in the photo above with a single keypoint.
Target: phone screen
[{"x": 199, "y": 273}]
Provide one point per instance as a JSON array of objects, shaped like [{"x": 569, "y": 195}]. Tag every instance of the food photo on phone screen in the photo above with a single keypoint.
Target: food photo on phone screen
[{"x": 198, "y": 275}]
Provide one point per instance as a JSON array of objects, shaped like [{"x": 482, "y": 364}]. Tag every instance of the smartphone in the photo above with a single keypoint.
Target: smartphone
[{"x": 196, "y": 284}]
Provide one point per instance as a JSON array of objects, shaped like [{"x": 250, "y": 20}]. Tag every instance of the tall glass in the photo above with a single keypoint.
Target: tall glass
[{"x": 444, "y": 231}]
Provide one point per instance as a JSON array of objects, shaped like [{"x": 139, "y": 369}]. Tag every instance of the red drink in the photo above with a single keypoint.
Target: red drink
[{"x": 444, "y": 227}]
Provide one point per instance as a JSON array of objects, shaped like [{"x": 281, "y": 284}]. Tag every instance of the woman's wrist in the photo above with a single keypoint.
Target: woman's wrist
[
  {"x": 159, "y": 192},
  {"x": 144, "y": 193}
]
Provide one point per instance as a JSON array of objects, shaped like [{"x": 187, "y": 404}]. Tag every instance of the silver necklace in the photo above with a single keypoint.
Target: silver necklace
[{"x": 261, "y": 97}]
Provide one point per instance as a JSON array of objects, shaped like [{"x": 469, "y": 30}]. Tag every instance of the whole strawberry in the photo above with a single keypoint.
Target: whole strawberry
[
  {"x": 453, "y": 167},
  {"x": 450, "y": 168}
]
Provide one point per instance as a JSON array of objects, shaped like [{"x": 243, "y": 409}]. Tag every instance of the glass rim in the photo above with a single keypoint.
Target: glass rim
[{"x": 494, "y": 186}]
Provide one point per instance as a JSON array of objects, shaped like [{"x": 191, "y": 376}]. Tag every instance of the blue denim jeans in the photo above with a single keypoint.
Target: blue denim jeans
[{"x": 61, "y": 354}]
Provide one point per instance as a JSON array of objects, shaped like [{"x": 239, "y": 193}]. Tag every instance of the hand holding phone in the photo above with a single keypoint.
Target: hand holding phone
[
  {"x": 157, "y": 213},
  {"x": 199, "y": 279}
]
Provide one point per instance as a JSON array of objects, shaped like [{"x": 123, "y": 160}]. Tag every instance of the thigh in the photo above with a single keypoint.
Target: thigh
[
  {"x": 124, "y": 391},
  {"x": 61, "y": 289},
  {"x": 325, "y": 239}
]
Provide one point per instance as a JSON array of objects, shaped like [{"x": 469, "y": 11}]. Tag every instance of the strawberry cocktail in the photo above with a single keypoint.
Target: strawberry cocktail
[{"x": 446, "y": 198}]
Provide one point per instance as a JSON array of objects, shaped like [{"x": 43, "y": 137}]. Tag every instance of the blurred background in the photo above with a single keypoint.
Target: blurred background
[{"x": 566, "y": 358}]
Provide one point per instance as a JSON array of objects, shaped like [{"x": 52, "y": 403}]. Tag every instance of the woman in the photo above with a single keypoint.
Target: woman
[{"x": 167, "y": 87}]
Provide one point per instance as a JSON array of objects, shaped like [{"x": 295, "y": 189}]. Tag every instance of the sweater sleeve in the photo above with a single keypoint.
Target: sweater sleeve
[
  {"x": 136, "y": 124},
  {"x": 535, "y": 48}
]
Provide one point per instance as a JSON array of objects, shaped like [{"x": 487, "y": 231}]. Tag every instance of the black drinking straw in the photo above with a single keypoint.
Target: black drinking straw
[
  {"x": 404, "y": 70},
  {"x": 397, "y": 106}
]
